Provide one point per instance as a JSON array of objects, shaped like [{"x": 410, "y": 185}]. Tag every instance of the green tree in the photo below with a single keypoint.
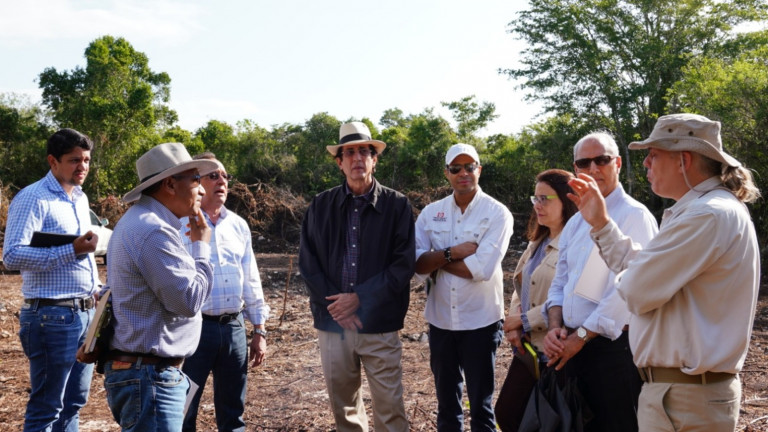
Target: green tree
[
  {"x": 617, "y": 58},
  {"x": 118, "y": 101},
  {"x": 736, "y": 94},
  {"x": 470, "y": 117},
  {"x": 23, "y": 136}
]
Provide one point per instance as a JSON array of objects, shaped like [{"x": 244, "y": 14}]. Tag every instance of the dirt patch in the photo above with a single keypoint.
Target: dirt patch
[{"x": 287, "y": 393}]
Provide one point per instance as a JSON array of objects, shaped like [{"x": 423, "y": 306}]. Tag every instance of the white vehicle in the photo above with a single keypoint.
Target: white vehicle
[{"x": 104, "y": 233}]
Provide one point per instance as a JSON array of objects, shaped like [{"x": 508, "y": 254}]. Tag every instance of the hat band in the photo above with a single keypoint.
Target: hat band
[
  {"x": 354, "y": 137},
  {"x": 148, "y": 177}
]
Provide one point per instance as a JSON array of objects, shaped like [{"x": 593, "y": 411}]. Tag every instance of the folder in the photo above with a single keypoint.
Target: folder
[
  {"x": 101, "y": 318},
  {"x": 594, "y": 278},
  {"x": 48, "y": 239}
]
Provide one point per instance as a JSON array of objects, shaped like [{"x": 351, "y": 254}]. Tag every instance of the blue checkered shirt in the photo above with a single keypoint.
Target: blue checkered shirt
[
  {"x": 158, "y": 288},
  {"x": 236, "y": 279},
  {"x": 49, "y": 272}
]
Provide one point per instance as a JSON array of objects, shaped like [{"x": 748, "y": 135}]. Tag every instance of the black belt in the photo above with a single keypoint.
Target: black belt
[
  {"x": 75, "y": 303},
  {"x": 223, "y": 318},
  {"x": 673, "y": 375},
  {"x": 149, "y": 359}
]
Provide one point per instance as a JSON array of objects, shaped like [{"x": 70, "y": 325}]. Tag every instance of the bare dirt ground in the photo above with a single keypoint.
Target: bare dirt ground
[{"x": 287, "y": 393}]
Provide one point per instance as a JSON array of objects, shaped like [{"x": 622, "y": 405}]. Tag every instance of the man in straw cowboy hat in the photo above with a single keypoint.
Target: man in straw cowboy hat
[
  {"x": 158, "y": 289},
  {"x": 357, "y": 256},
  {"x": 693, "y": 289}
]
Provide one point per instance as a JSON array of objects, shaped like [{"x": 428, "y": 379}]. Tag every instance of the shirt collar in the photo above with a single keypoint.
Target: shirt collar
[
  {"x": 54, "y": 186},
  {"x": 700, "y": 189},
  {"x": 160, "y": 210},
  {"x": 475, "y": 199}
]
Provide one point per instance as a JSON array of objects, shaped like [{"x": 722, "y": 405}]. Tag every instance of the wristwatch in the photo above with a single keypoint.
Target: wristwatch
[
  {"x": 583, "y": 334},
  {"x": 447, "y": 254},
  {"x": 260, "y": 331}
]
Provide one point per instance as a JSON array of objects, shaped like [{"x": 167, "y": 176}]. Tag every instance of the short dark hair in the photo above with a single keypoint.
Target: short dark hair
[
  {"x": 64, "y": 140},
  {"x": 340, "y": 151},
  {"x": 558, "y": 180}
]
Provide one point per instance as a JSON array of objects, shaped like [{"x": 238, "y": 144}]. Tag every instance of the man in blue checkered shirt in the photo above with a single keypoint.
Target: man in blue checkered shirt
[{"x": 59, "y": 283}]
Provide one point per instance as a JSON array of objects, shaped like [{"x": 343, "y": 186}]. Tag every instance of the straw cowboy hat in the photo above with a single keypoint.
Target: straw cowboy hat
[
  {"x": 356, "y": 133},
  {"x": 687, "y": 132},
  {"x": 163, "y": 161}
]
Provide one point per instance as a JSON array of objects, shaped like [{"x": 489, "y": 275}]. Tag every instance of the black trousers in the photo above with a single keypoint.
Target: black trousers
[{"x": 609, "y": 381}]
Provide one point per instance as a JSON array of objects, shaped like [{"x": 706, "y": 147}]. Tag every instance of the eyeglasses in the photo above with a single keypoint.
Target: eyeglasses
[
  {"x": 350, "y": 152},
  {"x": 542, "y": 199},
  {"x": 195, "y": 177},
  {"x": 599, "y": 161},
  {"x": 215, "y": 176},
  {"x": 468, "y": 167}
]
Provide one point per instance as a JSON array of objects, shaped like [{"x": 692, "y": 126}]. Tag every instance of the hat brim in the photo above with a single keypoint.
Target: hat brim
[
  {"x": 203, "y": 166},
  {"x": 378, "y": 145},
  {"x": 686, "y": 143}
]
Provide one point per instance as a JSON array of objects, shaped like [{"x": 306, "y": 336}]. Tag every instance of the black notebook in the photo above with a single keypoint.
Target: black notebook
[{"x": 46, "y": 239}]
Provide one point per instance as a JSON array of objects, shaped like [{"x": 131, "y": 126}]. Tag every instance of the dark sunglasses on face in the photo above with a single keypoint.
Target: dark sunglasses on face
[
  {"x": 194, "y": 177},
  {"x": 455, "y": 169},
  {"x": 599, "y": 161},
  {"x": 215, "y": 176},
  {"x": 350, "y": 152}
]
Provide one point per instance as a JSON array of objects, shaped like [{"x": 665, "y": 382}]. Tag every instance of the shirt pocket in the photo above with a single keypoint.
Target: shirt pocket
[
  {"x": 475, "y": 233},
  {"x": 440, "y": 236}
]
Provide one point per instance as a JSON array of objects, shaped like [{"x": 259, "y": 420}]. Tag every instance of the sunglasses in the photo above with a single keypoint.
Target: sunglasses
[
  {"x": 350, "y": 152},
  {"x": 468, "y": 167},
  {"x": 194, "y": 177},
  {"x": 215, "y": 176},
  {"x": 599, "y": 161},
  {"x": 542, "y": 199}
]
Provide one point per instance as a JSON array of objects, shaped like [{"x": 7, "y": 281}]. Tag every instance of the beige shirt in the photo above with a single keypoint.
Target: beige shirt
[
  {"x": 540, "y": 279},
  {"x": 693, "y": 290}
]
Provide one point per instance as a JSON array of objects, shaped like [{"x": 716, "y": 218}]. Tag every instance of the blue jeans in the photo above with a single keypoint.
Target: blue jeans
[
  {"x": 50, "y": 337},
  {"x": 146, "y": 397},
  {"x": 473, "y": 354},
  {"x": 223, "y": 349}
]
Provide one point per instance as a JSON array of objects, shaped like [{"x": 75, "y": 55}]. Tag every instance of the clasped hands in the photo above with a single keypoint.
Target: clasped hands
[
  {"x": 559, "y": 346},
  {"x": 343, "y": 310}
]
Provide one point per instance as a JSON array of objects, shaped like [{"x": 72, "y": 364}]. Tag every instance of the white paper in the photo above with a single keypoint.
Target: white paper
[{"x": 594, "y": 278}]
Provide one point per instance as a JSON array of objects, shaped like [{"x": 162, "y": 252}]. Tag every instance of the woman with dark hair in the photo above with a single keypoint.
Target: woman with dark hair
[{"x": 532, "y": 277}]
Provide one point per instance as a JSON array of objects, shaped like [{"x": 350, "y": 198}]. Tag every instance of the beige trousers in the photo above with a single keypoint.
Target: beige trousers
[
  {"x": 689, "y": 407},
  {"x": 380, "y": 355}
]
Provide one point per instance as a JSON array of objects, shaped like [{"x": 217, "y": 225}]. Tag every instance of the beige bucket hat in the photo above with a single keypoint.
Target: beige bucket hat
[
  {"x": 163, "y": 161},
  {"x": 687, "y": 132},
  {"x": 355, "y": 133}
]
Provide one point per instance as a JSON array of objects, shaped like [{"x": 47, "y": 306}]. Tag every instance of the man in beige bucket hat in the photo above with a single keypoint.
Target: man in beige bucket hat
[
  {"x": 693, "y": 289},
  {"x": 356, "y": 257},
  {"x": 158, "y": 289}
]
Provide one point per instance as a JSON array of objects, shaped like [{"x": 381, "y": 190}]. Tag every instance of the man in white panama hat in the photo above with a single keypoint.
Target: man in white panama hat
[
  {"x": 692, "y": 290},
  {"x": 158, "y": 289},
  {"x": 357, "y": 257}
]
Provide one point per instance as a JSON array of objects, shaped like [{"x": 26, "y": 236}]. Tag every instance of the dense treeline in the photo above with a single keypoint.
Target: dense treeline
[{"x": 610, "y": 65}]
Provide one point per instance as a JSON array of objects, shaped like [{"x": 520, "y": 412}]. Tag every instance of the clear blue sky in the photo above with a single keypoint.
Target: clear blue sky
[{"x": 284, "y": 60}]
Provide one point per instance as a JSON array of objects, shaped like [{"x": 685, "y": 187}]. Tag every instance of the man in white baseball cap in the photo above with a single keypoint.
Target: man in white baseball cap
[
  {"x": 158, "y": 289},
  {"x": 692, "y": 290},
  {"x": 461, "y": 240}
]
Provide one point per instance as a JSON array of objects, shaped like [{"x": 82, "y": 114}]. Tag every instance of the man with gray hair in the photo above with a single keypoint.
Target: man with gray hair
[
  {"x": 587, "y": 319},
  {"x": 692, "y": 290}
]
